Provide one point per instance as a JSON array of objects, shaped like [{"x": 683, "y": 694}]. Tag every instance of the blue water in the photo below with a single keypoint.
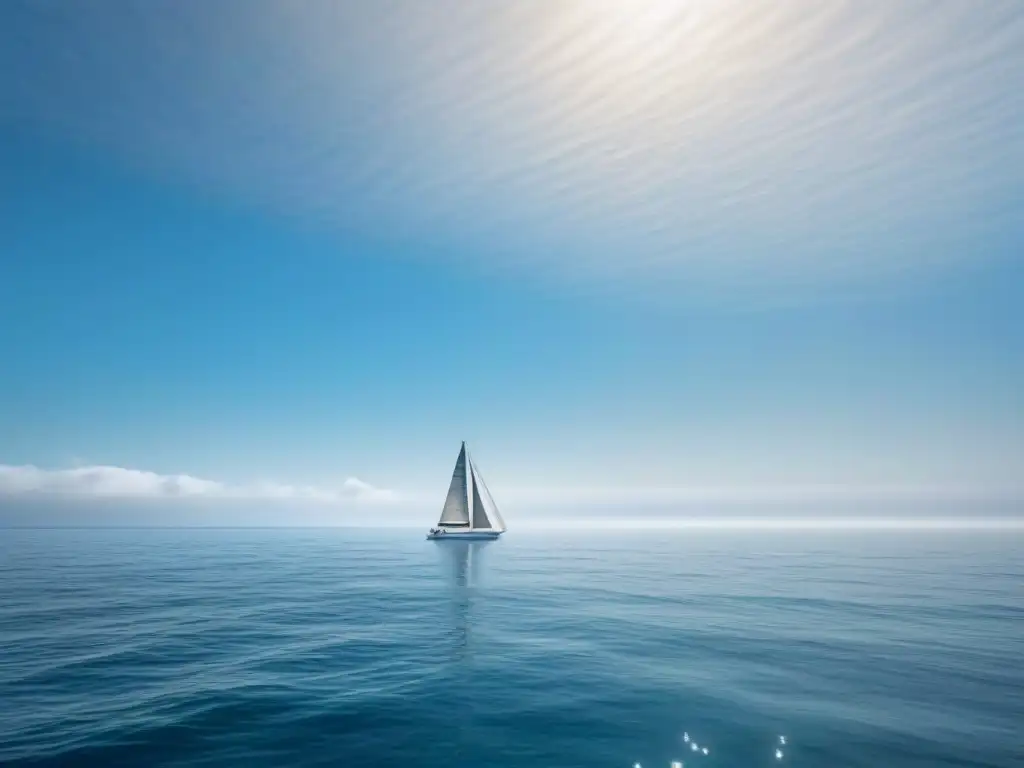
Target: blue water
[{"x": 342, "y": 648}]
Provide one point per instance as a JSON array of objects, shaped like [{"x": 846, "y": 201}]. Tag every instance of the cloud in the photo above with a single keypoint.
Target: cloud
[
  {"x": 99, "y": 481},
  {"x": 103, "y": 481},
  {"x": 687, "y": 145}
]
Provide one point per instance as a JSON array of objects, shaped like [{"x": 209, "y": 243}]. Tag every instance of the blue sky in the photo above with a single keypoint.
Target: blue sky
[{"x": 300, "y": 251}]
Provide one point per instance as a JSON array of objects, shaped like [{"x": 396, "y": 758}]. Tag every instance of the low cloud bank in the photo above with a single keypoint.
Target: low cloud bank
[
  {"x": 695, "y": 506},
  {"x": 119, "y": 482}
]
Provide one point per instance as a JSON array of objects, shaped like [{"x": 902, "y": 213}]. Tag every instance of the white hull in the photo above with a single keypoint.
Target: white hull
[{"x": 464, "y": 535}]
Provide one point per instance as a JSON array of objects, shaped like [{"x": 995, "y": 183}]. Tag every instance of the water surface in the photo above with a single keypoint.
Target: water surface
[{"x": 278, "y": 647}]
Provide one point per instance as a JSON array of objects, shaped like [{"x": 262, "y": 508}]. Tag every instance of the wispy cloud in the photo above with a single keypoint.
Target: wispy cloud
[
  {"x": 100, "y": 481},
  {"x": 104, "y": 481},
  {"x": 777, "y": 147}
]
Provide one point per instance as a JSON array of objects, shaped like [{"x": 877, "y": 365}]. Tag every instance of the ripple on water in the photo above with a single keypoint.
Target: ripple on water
[{"x": 270, "y": 648}]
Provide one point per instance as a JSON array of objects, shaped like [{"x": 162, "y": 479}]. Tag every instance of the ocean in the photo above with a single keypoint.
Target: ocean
[{"x": 335, "y": 647}]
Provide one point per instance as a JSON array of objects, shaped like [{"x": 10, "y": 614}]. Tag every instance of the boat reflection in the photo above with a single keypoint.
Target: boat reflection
[{"x": 462, "y": 562}]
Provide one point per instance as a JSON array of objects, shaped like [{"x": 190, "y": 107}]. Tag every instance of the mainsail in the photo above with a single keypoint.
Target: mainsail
[
  {"x": 456, "y": 506},
  {"x": 469, "y": 503}
]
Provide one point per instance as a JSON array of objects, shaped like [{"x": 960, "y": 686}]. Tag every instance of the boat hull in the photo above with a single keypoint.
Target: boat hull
[{"x": 464, "y": 535}]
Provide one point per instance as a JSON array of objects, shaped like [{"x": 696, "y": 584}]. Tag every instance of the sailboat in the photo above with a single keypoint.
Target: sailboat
[{"x": 469, "y": 512}]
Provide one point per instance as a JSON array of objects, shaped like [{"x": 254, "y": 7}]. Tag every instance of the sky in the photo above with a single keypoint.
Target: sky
[{"x": 287, "y": 256}]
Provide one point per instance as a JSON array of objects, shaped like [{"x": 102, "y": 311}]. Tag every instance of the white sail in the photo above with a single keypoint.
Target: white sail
[
  {"x": 479, "y": 510},
  {"x": 456, "y": 505},
  {"x": 482, "y": 497}
]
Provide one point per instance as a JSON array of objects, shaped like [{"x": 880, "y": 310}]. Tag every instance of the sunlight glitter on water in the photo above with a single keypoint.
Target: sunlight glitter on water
[{"x": 695, "y": 747}]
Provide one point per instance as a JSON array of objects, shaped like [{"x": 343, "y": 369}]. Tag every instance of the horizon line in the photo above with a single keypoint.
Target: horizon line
[{"x": 595, "y": 525}]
